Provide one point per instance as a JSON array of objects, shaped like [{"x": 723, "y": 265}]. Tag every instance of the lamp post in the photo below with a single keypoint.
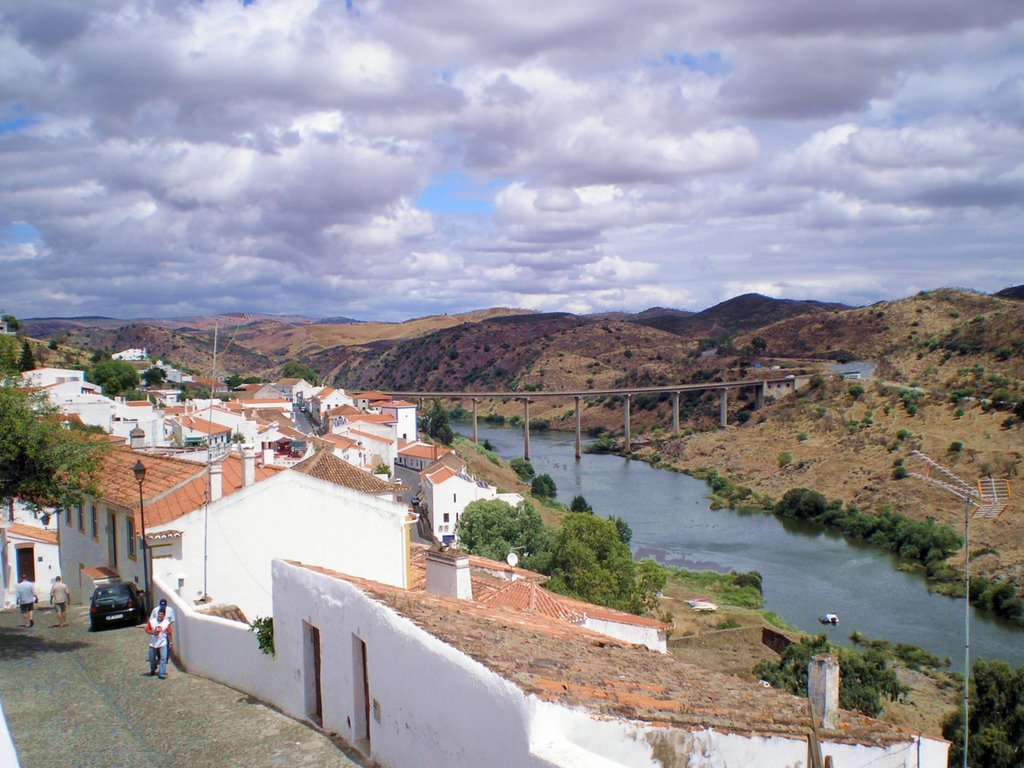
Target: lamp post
[{"x": 140, "y": 475}]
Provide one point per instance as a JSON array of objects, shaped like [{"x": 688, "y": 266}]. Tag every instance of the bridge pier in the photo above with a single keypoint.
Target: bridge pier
[
  {"x": 759, "y": 396},
  {"x": 578, "y": 452},
  {"x": 675, "y": 414},
  {"x": 723, "y": 400},
  {"x": 474, "y": 401},
  {"x": 625, "y": 437},
  {"x": 526, "y": 428}
]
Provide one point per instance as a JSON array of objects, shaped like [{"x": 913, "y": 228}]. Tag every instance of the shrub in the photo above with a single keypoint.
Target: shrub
[
  {"x": 543, "y": 487},
  {"x": 956, "y": 446},
  {"x": 264, "y": 629},
  {"x": 784, "y": 459},
  {"x": 523, "y": 468},
  {"x": 856, "y": 391}
]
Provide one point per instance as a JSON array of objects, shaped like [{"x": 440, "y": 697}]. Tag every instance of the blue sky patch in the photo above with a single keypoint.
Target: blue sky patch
[
  {"x": 709, "y": 62},
  {"x": 13, "y": 118},
  {"x": 454, "y": 193},
  {"x": 18, "y": 232}
]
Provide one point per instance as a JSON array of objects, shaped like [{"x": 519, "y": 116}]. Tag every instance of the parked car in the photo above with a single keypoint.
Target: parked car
[{"x": 120, "y": 602}]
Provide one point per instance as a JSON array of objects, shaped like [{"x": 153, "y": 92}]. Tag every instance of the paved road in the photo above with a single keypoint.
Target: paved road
[{"x": 81, "y": 699}]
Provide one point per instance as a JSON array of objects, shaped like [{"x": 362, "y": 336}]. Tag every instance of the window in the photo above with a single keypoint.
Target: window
[
  {"x": 67, "y": 516},
  {"x": 93, "y": 522},
  {"x": 446, "y": 516},
  {"x": 130, "y": 536},
  {"x": 81, "y": 518},
  {"x": 454, "y": 500}
]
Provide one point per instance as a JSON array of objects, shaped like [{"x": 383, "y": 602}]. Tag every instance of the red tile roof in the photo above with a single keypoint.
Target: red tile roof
[
  {"x": 560, "y": 662},
  {"x": 326, "y": 466},
  {"x": 172, "y": 488},
  {"x": 23, "y": 531}
]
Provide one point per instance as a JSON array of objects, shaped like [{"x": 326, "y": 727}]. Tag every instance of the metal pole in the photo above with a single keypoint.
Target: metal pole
[
  {"x": 967, "y": 621},
  {"x": 578, "y": 452},
  {"x": 145, "y": 552}
]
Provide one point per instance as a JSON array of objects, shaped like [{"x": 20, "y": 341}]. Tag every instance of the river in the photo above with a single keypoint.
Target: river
[{"x": 806, "y": 571}]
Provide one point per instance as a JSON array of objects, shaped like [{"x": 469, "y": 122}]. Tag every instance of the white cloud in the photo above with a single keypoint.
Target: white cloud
[{"x": 213, "y": 154}]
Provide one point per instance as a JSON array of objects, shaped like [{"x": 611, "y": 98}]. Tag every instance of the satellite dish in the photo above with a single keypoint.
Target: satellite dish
[{"x": 512, "y": 559}]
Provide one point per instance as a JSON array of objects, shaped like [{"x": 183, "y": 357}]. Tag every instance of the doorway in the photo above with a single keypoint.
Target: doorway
[
  {"x": 360, "y": 695},
  {"x": 26, "y": 562},
  {"x": 314, "y": 690},
  {"x": 112, "y": 540}
]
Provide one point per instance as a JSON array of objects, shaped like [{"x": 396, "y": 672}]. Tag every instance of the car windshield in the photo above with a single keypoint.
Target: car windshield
[{"x": 119, "y": 591}]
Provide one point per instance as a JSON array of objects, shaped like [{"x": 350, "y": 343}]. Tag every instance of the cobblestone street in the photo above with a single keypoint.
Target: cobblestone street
[{"x": 75, "y": 698}]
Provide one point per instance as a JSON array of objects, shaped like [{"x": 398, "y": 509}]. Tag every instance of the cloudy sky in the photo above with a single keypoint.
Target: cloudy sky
[{"x": 397, "y": 158}]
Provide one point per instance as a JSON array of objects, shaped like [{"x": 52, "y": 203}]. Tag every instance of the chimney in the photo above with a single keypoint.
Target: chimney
[
  {"x": 248, "y": 465},
  {"x": 216, "y": 481},
  {"x": 137, "y": 438},
  {"x": 448, "y": 573},
  {"x": 823, "y": 689}
]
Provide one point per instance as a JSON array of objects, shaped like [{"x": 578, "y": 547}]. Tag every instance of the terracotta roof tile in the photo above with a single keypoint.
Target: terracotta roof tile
[
  {"x": 35, "y": 533},
  {"x": 559, "y": 662},
  {"x": 326, "y": 466}
]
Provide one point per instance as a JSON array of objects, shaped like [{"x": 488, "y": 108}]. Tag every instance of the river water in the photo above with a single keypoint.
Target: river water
[{"x": 807, "y": 572}]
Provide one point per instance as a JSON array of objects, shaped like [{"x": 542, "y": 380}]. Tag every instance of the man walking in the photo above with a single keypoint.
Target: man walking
[
  {"x": 157, "y": 630},
  {"x": 25, "y": 597},
  {"x": 59, "y": 601}
]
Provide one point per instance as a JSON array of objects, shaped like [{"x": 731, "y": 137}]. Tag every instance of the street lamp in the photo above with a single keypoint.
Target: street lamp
[{"x": 140, "y": 475}]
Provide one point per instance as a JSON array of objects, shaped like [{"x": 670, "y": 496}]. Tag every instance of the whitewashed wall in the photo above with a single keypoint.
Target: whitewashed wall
[
  {"x": 221, "y": 650},
  {"x": 291, "y": 516},
  {"x": 437, "y": 707},
  {"x": 78, "y": 549},
  {"x": 652, "y": 637}
]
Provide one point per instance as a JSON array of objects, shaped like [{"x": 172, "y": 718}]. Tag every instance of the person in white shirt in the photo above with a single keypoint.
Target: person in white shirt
[
  {"x": 157, "y": 631},
  {"x": 25, "y": 596},
  {"x": 169, "y": 615}
]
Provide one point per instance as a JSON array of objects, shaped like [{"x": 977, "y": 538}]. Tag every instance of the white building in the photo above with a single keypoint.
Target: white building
[
  {"x": 134, "y": 354},
  {"x": 435, "y": 680},
  {"x": 447, "y": 490},
  {"x": 223, "y": 548},
  {"x": 326, "y": 399},
  {"x": 28, "y": 544},
  {"x": 44, "y": 377},
  {"x": 404, "y": 416}
]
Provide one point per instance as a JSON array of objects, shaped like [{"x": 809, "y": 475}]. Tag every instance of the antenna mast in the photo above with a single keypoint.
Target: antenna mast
[{"x": 988, "y": 499}]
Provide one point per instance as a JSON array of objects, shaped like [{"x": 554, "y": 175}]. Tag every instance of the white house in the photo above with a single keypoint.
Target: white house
[
  {"x": 326, "y": 399},
  {"x": 432, "y": 678},
  {"x": 28, "y": 544},
  {"x": 133, "y": 354},
  {"x": 447, "y": 490},
  {"x": 404, "y": 416},
  {"x": 212, "y": 531},
  {"x": 44, "y": 377}
]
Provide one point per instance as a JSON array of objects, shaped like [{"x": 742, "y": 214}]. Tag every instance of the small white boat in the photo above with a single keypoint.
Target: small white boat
[{"x": 828, "y": 618}]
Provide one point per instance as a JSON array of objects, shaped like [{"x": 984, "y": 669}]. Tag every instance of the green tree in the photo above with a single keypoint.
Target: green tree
[
  {"x": 154, "y": 377},
  {"x": 12, "y": 322},
  {"x": 523, "y": 468},
  {"x": 8, "y": 360},
  {"x": 40, "y": 461},
  {"x": 867, "y": 677},
  {"x": 115, "y": 376},
  {"x": 758, "y": 345},
  {"x": 437, "y": 424},
  {"x": 588, "y": 560},
  {"x": 543, "y": 487},
  {"x": 493, "y": 528},
  {"x": 996, "y": 718},
  {"x": 27, "y": 361},
  {"x": 625, "y": 532},
  {"x": 580, "y": 504},
  {"x": 293, "y": 369}
]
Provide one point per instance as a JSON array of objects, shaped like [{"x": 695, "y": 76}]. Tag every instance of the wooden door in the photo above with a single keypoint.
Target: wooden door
[{"x": 26, "y": 563}]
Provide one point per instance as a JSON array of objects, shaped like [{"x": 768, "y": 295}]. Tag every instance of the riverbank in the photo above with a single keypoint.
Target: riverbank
[{"x": 807, "y": 570}]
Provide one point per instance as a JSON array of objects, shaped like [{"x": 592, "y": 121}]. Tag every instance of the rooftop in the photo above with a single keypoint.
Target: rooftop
[
  {"x": 326, "y": 466},
  {"x": 560, "y": 662}
]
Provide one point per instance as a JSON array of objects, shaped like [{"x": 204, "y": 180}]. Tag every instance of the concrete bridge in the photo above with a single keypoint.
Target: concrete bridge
[{"x": 763, "y": 388}]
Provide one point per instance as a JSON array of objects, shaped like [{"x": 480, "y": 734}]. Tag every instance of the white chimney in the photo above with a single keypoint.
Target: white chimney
[
  {"x": 248, "y": 465},
  {"x": 823, "y": 689},
  {"x": 216, "y": 481},
  {"x": 448, "y": 574},
  {"x": 137, "y": 438}
]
